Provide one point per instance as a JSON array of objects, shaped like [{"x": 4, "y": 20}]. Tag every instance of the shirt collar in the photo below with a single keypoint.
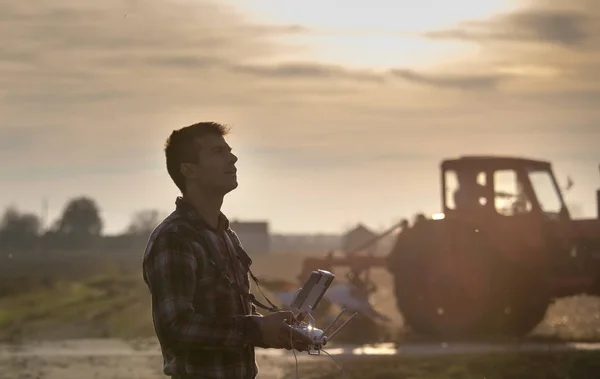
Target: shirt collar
[{"x": 188, "y": 211}]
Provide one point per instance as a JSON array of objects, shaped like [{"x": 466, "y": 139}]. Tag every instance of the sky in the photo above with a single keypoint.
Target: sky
[{"x": 341, "y": 111}]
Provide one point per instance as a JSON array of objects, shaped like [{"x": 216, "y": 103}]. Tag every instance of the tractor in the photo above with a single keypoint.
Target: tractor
[{"x": 501, "y": 251}]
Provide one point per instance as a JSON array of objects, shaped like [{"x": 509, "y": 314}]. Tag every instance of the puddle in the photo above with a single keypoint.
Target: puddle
[
  {"x": 424, "y": 349},
  {"x": 108, "y": 347}
]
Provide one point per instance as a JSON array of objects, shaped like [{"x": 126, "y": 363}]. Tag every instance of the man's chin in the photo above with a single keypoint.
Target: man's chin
[{"x": 231, "y": 187}]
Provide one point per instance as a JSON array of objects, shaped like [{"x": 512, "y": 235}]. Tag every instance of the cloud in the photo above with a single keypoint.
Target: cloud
[
  {"x": 130, "y": 26},
  {"x": 49, "y": 97},
  {"x": 549, "y": 50},
  {"x": 326, "y": 73},
  {"x": 307, "y": 71},
  {"x": 139, "y": 60},
  {"x": 115, "y": 76},
  {"x": 320, "y": 71},
  {"x": 566, "y": 28},
  {"x": 183, "y": 61},
  {"x": 352, "y": 157},
  {"x": 70, "y": 171},
  {"x": 462, "y": 81},
  {"x": 84, "y": 53},
  {"x": 14, "y": 139}
]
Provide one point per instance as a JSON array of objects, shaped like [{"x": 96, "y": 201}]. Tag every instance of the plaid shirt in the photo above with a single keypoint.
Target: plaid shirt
[{"x": 205, "y": 328}]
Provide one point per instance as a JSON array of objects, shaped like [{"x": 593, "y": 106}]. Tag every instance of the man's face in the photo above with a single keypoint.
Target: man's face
[{"x": 215, "y": 171}]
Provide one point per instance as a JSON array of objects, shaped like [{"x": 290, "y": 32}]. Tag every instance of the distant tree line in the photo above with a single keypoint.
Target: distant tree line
[{"x": 80, "y": 226}]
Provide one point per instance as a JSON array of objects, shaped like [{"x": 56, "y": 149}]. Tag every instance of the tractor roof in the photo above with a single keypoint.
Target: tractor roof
[{"x": 494, "y": 162}]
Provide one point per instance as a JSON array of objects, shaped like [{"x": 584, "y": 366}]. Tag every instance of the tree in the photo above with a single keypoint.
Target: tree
[
  {"x": 80, "y": 222},
  {"x": 19, "y": 230},
  {"x": 143, "y": 222}
]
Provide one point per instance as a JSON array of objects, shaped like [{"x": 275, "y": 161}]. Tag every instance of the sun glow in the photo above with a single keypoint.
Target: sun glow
[
  {"x": 375, "y": 33},
  {"x": 438, "y": 216}
]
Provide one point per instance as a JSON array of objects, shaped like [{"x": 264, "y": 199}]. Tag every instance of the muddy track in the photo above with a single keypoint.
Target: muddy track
[{"x": 117, "y": 359}]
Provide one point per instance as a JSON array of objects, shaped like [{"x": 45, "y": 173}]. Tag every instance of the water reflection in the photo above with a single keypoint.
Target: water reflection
[
  {"x": 122, "y": 348},
  {"x": 379, "y": 349}
]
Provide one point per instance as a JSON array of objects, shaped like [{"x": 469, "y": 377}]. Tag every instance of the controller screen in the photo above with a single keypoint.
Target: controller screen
[{"x": 312, "y": 281}]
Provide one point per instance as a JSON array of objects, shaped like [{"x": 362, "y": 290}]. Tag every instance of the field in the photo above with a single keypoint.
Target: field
[
  {"x": 102, "y": 295},
  {"x": 90, "y": 296},
  {"x": 579, "y": 365},
  {"x": 572, "y": 365}
]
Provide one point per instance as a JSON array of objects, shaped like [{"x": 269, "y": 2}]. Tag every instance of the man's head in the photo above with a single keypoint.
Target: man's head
[{"x": 198, "y": 156}]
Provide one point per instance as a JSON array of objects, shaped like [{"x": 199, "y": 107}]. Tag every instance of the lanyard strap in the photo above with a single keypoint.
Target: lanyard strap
[{"x": 217, "y": 261}]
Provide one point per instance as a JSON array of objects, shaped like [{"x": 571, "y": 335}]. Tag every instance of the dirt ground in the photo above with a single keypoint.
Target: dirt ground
[
  {"x": 108, "y": 359},
  {"x": 119, "y": 359},
  {"x": 107, "y": 367},
  {"x": 81, "y": 367}
]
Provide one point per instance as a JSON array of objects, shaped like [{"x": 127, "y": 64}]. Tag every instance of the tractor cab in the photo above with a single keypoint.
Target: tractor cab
[
  {"x": 516, "y": 203},
  {"x": 500, "y": 187}
]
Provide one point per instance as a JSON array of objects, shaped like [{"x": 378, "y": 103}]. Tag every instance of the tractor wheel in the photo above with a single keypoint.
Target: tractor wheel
[
  {"x": 522, "y": 302},
  {"x": 444, "y": 279},
  {"x": 525, "y": 317}
]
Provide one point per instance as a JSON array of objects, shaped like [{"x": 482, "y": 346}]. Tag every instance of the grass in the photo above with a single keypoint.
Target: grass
[
  {"x": 112, "y": 301},
  {"x": 97, "y": 294},
  {"x": 559, "y": 365},
  {"x": 103, "y": 295},
  {"x": 100, "y": 306}
]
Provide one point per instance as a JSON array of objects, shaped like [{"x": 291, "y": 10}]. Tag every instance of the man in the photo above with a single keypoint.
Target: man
[
  {"x": 469, "y": 192},
  {"x": 197, "y": 272}
]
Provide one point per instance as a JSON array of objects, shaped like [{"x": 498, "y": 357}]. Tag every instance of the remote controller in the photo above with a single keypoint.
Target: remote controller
[
  {"x": 317, "y": 337},
  {"x": 306, "y": 300}
]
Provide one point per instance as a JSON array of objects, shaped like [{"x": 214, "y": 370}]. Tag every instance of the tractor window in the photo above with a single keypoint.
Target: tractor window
[
  {"x": 465, "y": 189},
  {"x": 451, "y": 187},
  {"x": 509, "y": 195},
  {"x": 482, "y": 182},
  {"x": 481, "y": 179},
  {"x": 546, "y": 191}
]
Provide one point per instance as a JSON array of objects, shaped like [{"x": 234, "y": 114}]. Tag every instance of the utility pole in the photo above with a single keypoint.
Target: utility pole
[
  {"x": 44, "y": 214},
  {"x": 43, "y": 218}
]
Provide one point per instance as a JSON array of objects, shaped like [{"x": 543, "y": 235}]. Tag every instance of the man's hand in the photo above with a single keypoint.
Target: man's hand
[
  {"x": 278, "y": 333},
  {"x": 302, "y": 317}
]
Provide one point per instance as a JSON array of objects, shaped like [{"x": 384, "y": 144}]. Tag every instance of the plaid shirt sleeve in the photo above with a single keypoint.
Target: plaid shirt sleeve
[
  {"x": 171, "y": 271},
  {"x": 259, "y": 343}
]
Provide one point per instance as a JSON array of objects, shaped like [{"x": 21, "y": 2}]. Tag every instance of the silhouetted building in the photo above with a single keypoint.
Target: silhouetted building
[
  {"x": 357, "y": 238},
  {"x": 253, "y": 235},
  {"x": 304, "y": 243}
]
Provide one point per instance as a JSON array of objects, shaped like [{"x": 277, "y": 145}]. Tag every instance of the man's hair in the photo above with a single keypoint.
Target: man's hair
[{"x": 181, "y": 147}]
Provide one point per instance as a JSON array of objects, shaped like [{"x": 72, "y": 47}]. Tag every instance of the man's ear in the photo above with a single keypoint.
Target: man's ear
[{"x": 188, "y": 170}]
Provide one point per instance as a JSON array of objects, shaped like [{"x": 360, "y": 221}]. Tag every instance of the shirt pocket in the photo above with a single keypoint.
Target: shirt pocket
[
  {"x": 212, "y": 286},
  {"x": 207, "y": 274}
]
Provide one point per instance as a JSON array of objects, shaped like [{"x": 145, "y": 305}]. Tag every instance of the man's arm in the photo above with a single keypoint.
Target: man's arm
[
  {"x": 172, "y": 276},
  {"x": 259, "y": 343}
]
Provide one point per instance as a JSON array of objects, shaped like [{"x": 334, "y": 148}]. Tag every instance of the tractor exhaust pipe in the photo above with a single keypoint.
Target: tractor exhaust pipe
[{"x": 598, "y": 202}]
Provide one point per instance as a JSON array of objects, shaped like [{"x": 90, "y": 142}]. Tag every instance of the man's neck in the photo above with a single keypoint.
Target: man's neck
[{"x": 208, "y": 206}]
